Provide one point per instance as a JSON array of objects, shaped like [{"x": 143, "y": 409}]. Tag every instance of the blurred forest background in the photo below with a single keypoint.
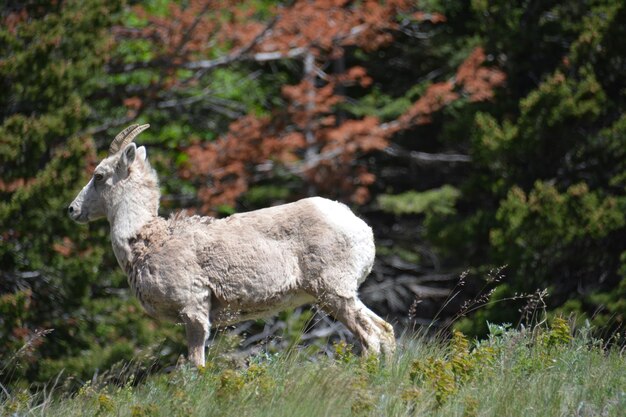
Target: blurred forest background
[{"x": 483, "y": 140}]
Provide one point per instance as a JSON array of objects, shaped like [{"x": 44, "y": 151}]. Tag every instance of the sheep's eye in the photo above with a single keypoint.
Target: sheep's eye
[{"x": 98, "y": 177}]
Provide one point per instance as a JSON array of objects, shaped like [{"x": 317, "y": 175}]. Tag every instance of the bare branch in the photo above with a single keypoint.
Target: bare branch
[
  {"x": 203, "y": 65},
  {"x": 311, "y": 152},
  {"x": 107, "y": 125},
  {"x": 313, "y": 160},
  {"x": 184, "y": 101},
  {"x": 424, "y": 157},
  {"x": 241, "y": 56}
]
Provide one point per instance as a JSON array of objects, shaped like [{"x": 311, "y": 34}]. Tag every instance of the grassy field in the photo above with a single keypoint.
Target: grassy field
[{"x": 539, "y": 372}]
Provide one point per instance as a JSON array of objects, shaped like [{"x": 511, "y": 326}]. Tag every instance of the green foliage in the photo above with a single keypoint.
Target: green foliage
[
  {"x": 343, "y": 352},
  {"x": 376, "y": 103},
  {"x": 545, "y": 219},
  {"x": 43, "y": 107},
  {"x": 264, "y": 195},
  {"x": 53, "y": 273},
  {"x": 544, "y": 369},
  {"x": 438, "y": 373},
  {"x": 546, "y": 193},
  {"x": 559, "y": 334},
  {"x": 446, "y": 376},
  {"x": 254, "y": 378},
  {"x": 437, "y": 202},
  {"x": 613, "y": 313}
]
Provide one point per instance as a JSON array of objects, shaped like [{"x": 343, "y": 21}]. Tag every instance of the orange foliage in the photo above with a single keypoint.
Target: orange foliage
[
  {"x": 478, "y": 81},
  {"x": 430, "y": 17},
  {"x": 13, "y": 19},
  {"x": 15, "y": 184},
  {"x": 305, "y": 136},
  {"x": 324, "y": 26},
  {"x": 224, "y": 165},
  {"x": 65, "y": 247},
  {"x": 434, "y": 99},
  {"x": 472, "y": 80}
]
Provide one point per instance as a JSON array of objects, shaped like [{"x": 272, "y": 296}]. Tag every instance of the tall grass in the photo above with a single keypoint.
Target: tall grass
[{"x": 542, "y": 371}]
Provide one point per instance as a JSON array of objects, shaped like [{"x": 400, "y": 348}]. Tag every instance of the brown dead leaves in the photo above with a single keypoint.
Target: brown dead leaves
[
  {"x": 473, "y": 81},
  {"x": 328, "y": 26},
  {"x": 307, "y": 136},
  {"x": 478, "y": 81}
]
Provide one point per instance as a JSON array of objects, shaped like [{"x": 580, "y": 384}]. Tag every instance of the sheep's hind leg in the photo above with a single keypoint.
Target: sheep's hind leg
[
  {"x": 386, "y": 333},
  {"x": 197, "y": 330},
  {"x": 372, "y": 331}
]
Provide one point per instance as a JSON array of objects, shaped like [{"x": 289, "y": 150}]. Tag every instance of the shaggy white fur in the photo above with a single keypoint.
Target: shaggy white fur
[{"x": 200, "y": 270}]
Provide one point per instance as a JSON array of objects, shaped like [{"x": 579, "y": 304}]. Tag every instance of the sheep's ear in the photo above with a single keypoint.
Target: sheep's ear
[
  {"x": 141, "y": 153},
  {"x": 126, "y": 159}
]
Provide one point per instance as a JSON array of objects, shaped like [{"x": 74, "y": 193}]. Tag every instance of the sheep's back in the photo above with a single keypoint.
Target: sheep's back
[{"x": 255, "y": 256}]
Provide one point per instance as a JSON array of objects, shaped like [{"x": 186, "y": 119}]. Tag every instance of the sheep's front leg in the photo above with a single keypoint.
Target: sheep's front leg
[{"x": 197, "y": 329}]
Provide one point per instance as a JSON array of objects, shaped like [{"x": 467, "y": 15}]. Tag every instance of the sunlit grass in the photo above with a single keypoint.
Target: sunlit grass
[{"x": 536, "y": 372}]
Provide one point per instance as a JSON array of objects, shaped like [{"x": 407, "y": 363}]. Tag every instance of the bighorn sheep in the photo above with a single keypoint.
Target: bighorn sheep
[{"x": 200, "y": 270}]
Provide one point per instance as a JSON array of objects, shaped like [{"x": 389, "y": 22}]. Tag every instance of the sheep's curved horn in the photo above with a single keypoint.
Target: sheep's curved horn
[
  {"x": 125, "y": 137},
  {"x": 132, "y": 135},
  {"x": 115, "y": 145}
]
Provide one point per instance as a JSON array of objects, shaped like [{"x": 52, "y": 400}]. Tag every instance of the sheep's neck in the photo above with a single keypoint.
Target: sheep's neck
[{"x": 126, "y": 220}]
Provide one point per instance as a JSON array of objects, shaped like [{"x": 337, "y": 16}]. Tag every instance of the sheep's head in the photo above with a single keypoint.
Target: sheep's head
[{"x": 95, "y": 197}]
